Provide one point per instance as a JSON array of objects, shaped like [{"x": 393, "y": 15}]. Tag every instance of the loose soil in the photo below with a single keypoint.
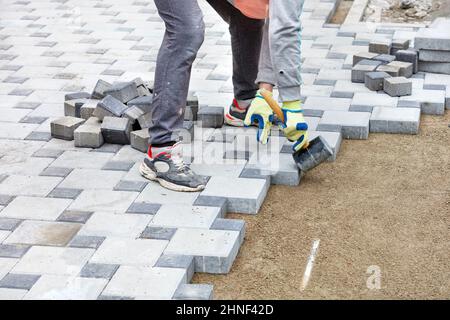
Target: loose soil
[{"x": 385, "y": 201}]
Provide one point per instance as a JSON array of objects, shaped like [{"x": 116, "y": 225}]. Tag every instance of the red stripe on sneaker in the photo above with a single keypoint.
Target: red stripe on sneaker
[
  {"x": 149, "y": 153},
  {"x": 168, "y": 155},
  {"x": 236, "y": 105},
  {"x": 229, "y": 117}
]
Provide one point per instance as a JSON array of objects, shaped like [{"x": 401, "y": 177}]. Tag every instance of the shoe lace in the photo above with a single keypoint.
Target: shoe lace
[{"x": 179, "y": 163}]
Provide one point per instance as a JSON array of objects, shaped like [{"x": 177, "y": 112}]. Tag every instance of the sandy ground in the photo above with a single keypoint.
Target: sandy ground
[{"x": 384, "y": 202}]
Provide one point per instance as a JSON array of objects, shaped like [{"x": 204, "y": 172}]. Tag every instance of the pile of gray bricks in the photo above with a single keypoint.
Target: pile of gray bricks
[
  {"x": 119, "y": 113},
  {"x": 433, "y": 45},
  {"x": 386, "y": 67}
]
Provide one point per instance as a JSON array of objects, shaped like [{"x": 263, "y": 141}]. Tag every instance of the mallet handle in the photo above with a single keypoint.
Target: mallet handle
[{"x": 272, "y": 103}]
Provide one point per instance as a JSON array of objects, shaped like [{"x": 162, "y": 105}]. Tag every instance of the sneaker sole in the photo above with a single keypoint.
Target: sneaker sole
[
  {"x": 232, "y": 121},
  {"x": 149, "y": 174}
]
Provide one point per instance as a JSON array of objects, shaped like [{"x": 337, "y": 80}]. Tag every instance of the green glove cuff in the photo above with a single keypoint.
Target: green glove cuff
[{"x": 292, "y": 105}]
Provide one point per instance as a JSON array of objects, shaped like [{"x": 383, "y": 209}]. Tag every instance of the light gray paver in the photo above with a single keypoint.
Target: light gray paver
[
  {"x": 243, "y": 195},
  {"x": 28, "y": 185},
  {"x": 108, "y": 224},
  {"x": 395, "y": 120},
  {"x": 214, "y": 250},
  {"x": 53, "y": 260},
  {"x": 43, "y": 233},
  {"x": 145, "y": 282},
  {"x": 91, "y": 179},
  {"x": 126, "y": 251},
  {"x": 61, "y": 287},
  {"x": 12, "y": 294},
  {"x": 97, "y": 200},
  {"x": 352, "y": 125},
  {"x": 194, "y": 292},
  {"x": 182, "y": 216},
  {"x": 37, "y": 208}
]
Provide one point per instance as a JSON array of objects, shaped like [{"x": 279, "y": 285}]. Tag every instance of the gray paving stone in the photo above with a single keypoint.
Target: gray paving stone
[
  {"x": 28, "y": 185},
  {"x": 214, "y": 250},
  {"x": 23, "y": 207},
  {"x": 100, "y": 200},
  {"x": 139, "y": 140},
  {"x": 154, "y": 193},
  {"x": 144, "y": 208},
  {"x": 333, "y": 139},
  {"x": 118, "y": 166},
  {"x": 100, "y": 88},
  {"x": 133, "y": 114},
  {"x": 315, "y": 106},
  {"x": 435, "y": 67},
  {"x": 432, "y": 39},
  {"x": 109, "y": 107},
  {"x": 230, "y": 224},
  {"x": 72, "y": 108},
  {"x": 380, "y": 46},
  {"x": 210, "y": 117},
  {"x": 144, "y": 103},
  {"x": 434, "y": 55},
  {"x": 77, "y": 95},
  {"x": 64, "y": 193},
  {"x": 53, "y": 260},
  {"x": 5, "y": 199},
  {"x": 98, "y": 270},
  {"x": 124, "y": 185},
  {"x": 243, "y": 195},
  {"x": 39, "y": 136},
  {"x": 158, "y": 233},
  {"x": 48, "y": 153},
  {"x": 75, "y": 216},
  {"x": 92, "y": 242},
  {"x": 359, "y": 71},
  {"x": 352, "y": 125},
  {"x": 88, "y": 108},
  {"x": 408, "y": 104},
  {"x": 85, "y": 179},
  {"x": 89, "y": 134},
  {"x": 179, "y": 262},
  {"x": 194, "y": 292},
  {"x": 212, "y": 201},
  {"x": 12, "y": 294},
  {"x": 395, "y": 120},
  {"x": 392, "y": 70},
  {"x": 108, "y": 224},
  {"x": 8, "y": 224},
  {"x": 124, "y": 92},
  {"x": 116, "y": 130},
  {"x": 126, "y": 251},
  {"x": 431, "y": 101},
  {"x": 364, "y": 102},
  {"x": 19, "y": 281},
  {"x": 43, "y": 233},
  {"x": 409, "y": 56},
  {"x": 374, "y": 80},
  {"x": 182, "y": 216},
  {"x": 384, "y": 58},
  {"x": 13, "y": 250},
  {"x": 145, "y": 282},
  {"x": 82, "y": 160},
  {"x": 111, "y": 298},
  {"x": 397, "y": 86},
  {"x": 405, "y": 68},
  {"x": 62, "y": 287},
  {"x": 64, "y": 128}
]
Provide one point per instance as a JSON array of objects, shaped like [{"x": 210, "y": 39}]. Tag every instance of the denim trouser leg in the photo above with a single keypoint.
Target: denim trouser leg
[
  {"x": 246, "y": 36},
  {"x": 184, "y": 35}
]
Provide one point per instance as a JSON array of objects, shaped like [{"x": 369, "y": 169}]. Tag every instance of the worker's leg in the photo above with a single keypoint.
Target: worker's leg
[
  {"x": 184, "y": 35},
  {"x": 280, "y": 61},
  {"x": 280, "y": 64},
  {"x": 246, "y": 35}
]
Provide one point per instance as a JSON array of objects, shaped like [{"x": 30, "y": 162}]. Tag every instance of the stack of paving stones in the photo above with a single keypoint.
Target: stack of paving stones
[
  {"x": 118, "y": 113},
  {"x": 384, "y": 68},
  {"x": 126, "y": 237},
  {"x": 433, "y": 44}
]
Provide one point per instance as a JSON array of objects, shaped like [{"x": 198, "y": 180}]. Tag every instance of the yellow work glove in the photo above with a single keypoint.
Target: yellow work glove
[
  {"x": 294, "y": 126},
  {"x": 260, "y": 113}
]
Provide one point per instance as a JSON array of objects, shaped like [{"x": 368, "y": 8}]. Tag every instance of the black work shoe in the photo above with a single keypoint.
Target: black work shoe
[{"x": 166, "y": 166}]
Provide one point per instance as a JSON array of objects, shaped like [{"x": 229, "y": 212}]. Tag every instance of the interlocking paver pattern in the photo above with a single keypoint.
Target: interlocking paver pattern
[{"x": 79, "y": 222}]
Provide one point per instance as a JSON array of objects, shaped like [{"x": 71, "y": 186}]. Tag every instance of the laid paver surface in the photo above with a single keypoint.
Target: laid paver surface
[{"x": 69, "y": 213}]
